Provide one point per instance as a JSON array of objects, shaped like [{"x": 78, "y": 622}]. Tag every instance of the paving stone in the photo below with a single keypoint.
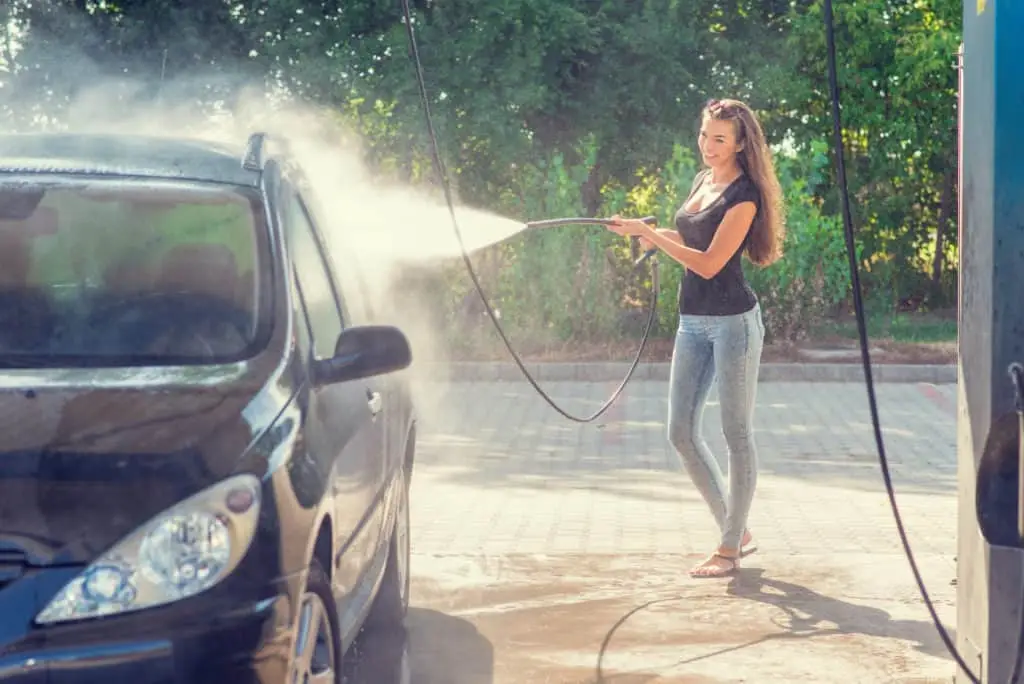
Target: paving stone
[{"x": 501, "y": 476}]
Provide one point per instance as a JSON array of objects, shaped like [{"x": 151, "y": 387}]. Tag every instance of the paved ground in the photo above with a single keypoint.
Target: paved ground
[{"x": 546, "y": 551}]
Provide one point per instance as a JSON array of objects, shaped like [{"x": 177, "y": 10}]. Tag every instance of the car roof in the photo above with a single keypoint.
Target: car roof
[{"x": 125, "y": 156}]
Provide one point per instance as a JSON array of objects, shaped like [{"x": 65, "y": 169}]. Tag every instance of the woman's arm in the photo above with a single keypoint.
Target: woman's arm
[
  {"x": 671, "y": 234},
  {"x": 668, "y": 233},
  {"x": 707, "y": 264}
]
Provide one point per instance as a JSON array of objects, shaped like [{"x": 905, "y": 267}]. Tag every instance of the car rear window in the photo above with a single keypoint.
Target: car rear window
[{"x": 111, "y": 273}]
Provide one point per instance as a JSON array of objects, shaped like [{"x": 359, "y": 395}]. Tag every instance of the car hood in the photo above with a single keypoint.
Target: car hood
[{"x": 81, "y": 468}]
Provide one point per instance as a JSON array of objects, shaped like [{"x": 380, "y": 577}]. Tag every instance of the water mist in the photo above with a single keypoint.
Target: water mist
[{"x": 389, "y": 227}]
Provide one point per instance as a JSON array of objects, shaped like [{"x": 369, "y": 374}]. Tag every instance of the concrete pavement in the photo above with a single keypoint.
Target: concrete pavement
[{"x": 546, "y": 551}]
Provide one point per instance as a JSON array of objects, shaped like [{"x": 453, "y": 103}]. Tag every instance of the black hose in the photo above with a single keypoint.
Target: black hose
[
  {"x": 443, "y": 177},
  {"x": 858, "y": 304}
]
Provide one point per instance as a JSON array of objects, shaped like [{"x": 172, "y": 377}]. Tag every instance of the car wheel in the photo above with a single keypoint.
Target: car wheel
[
  {"x": 392, "y": 601},
  {"x": 315, "y": 652}
]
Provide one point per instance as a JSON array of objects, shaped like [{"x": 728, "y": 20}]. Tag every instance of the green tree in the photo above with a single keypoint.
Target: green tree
[
  {"x": 565, "y": 106},
  {"x": 898, "y": 85}
]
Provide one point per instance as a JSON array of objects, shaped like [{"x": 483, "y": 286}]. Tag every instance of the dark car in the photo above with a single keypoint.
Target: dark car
[{"x": 205, "y": 441}]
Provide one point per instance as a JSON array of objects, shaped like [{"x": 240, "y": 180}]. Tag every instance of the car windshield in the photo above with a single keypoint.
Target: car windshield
[{"x": 111, "y": 273}]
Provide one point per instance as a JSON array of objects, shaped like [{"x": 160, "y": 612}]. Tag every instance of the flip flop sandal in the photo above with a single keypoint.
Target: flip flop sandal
[
  {"x": 748, "y": 548},
  {"x": 716, "y": 572}
]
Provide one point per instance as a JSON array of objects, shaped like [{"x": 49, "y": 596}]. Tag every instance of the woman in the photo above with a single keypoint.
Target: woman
[{"x": 734, "y": 207}]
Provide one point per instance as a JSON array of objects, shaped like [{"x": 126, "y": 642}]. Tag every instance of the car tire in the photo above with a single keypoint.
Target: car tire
[
  {"x": 391, "y": 604},
  {"x": 317, "y": 601}
]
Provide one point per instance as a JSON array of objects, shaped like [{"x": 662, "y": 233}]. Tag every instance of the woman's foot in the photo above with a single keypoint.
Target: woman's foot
[
  {"x": 725, "y": 561},
  {"x": 718, "y": 564},
  {"x": 747, "y": 546}
]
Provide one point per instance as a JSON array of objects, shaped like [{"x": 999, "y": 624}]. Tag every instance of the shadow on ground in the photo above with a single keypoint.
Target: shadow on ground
[
  {"x": 434, "y": 648},
  {"x": 808, "y": 614}
]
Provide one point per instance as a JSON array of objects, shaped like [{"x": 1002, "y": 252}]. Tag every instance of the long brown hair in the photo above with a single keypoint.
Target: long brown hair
[{"x": 768, "y": 231}]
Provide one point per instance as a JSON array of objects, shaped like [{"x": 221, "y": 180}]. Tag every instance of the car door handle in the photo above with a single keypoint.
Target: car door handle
[{"x": 374, "y": 401}]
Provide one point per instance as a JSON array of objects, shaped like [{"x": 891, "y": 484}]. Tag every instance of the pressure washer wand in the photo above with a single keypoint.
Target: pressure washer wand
[{"x": 553, "y": 223}]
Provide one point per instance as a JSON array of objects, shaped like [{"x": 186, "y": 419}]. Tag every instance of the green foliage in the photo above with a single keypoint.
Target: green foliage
[
  {"x": 658, "y": 194},
  {"x": 576, "y": 284},
  {"x": 558, "y": 284},
  {"x": 899, "y": 87},
  {"x": 812, "y": 277},
  {"x": 555, "y": 280},
  {"x": 549, "y": 108}
]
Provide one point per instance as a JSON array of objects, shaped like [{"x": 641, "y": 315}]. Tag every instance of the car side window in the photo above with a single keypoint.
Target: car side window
[
  {"x": 350, "y": 282},
  {"x": 317, "y": 291}
]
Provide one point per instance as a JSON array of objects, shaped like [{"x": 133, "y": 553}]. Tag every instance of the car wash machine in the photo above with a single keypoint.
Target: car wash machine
[{"x": 990, "y": 551}]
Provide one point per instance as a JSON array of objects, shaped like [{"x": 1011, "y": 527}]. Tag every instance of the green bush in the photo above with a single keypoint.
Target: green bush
[
  {"x": 658, "y": 194},
  {"x": 812, "y": 277},
  {"x": 553, "y": 284},
  {"x": 574, "y": 284}
]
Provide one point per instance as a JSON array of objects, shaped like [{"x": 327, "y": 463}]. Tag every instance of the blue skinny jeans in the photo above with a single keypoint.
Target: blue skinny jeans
[{"x": 728, "y": 347}]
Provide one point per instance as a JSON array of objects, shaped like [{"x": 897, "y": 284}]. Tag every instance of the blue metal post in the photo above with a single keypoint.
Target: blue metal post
[{"x": 989, "y": 598}]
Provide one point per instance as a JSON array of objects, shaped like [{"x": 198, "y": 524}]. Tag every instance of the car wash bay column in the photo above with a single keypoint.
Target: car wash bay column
[{"x": 991, "y": 325}]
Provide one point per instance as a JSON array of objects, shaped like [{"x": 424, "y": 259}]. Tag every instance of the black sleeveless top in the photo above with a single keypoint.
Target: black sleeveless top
[{"x": 727, "y": 293}]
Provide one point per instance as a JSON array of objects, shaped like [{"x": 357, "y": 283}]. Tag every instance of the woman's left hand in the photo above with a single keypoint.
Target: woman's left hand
[{"x": 628, "y": 227}]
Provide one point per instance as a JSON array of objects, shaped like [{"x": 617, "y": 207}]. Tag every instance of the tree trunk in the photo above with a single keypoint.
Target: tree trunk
[
  {"x": 590, "y": 193},
  {"x": 947, "y": 207}
]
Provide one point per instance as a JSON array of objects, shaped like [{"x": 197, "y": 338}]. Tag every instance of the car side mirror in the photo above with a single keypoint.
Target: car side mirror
[{"x": 362, "y": 352}]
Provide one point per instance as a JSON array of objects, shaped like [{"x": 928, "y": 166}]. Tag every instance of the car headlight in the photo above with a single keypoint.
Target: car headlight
[{"x": 183, "y": 551}]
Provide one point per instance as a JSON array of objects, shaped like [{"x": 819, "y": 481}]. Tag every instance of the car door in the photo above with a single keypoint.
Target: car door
[
  {"x": 359, "y": 305},
  {"x": 343, "y": 418},
  {"x": 358, "y": 308}
]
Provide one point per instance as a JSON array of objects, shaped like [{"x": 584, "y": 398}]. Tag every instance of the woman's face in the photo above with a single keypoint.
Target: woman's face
[{"x": 718, "y": 144}]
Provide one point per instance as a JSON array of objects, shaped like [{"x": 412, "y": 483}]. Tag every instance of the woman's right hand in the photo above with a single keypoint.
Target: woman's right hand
[{"x": 627, "y": 227}]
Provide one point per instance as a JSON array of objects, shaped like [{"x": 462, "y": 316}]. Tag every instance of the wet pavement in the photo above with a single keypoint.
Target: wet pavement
[{"x": 545, "y": 551}]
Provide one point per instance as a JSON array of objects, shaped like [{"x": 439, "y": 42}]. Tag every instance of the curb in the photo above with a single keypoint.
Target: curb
[{"x": 489, "y": 371}]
